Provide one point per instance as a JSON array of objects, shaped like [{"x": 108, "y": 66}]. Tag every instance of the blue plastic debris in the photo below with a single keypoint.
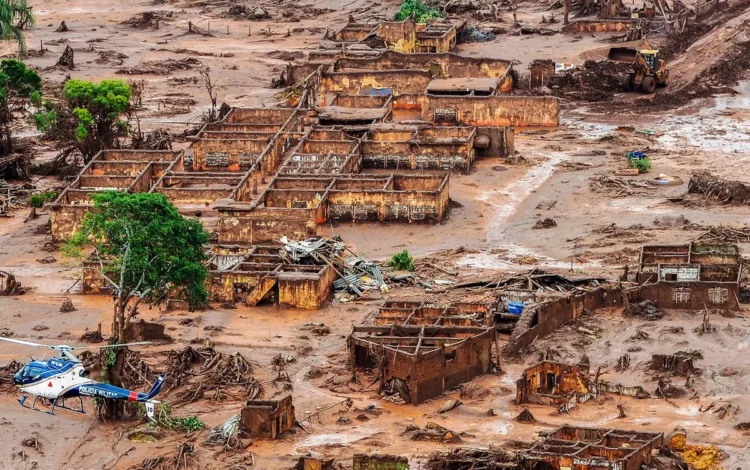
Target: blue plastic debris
[
  {"x": 636, "y": 155},
  {"x": 516, "y": 308}
]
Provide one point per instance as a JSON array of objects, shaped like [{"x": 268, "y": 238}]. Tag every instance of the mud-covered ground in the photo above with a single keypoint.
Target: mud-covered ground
[{"x": 566, "y": 174}]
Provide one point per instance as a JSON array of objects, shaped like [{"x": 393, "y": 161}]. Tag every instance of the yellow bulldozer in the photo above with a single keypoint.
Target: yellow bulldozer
[{"x": 649, "y": 69}]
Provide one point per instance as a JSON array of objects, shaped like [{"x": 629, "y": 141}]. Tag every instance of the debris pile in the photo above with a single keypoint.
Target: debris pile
[
  {"x": 547, "y": 222},
  {"x": 433, "y": 432},
  {"x": 257, "y": 13},
  {"x": 719, "y": 189},
  {"x": 198, "y": 371},
  {"x": 619, "y": 186},
  {"x": 723, "y": 234},
  {"x": 67, "y": 306},
  {"x": 356, "y": 275},
  {"x": 9, "y": 285},
  {"x": 67, "y": 58},
  {"x": 148, "y": 19},
  {"x": 12, "y": 196},
  {"x": 525, "y": 417},
  {"x": 6, "y": 376},
  {"x": 647, "y": 309},
  {"x": 229, "y": 435},
  {"x": 183, "y": 458},
  {"x": 595, "y": 81},
  {"x": 475, "y": 459}
]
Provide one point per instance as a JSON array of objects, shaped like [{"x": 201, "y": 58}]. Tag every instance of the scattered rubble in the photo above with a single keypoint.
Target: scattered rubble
[
  {"x": 149, "y": 19},
  {"x": 206, "y": 373},
  {"x": 719, "y": 190},
  {"x": 434, "y": 432},
  {"x": 646, "y": 309},
  {"x": 161, "y": 67},
  {"x": 545, "y": 223}
]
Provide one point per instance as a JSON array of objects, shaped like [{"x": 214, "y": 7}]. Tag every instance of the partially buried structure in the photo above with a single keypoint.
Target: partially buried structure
[
  {"x": 418, "y": 362},
  {"x": 581, "y": 448},
  {"x": 268, "y": 418}
]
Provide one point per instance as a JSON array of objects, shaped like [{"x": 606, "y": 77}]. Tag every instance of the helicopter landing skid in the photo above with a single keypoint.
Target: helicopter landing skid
[{"x": 62, "y": 405}]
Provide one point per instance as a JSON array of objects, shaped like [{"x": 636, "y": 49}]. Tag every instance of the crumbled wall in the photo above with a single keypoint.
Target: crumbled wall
[
  {"x": 144, "y": 331},
  {"x": 489, "y": 111},
  {"x": 259, "y": 417},
  {"x": 356, "y": 82},
  {"x": 265, "y": 225},
  {"x": 65, "y": 220}
]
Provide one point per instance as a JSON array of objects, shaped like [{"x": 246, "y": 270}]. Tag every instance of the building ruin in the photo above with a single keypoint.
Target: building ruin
[
  {"x": 581, "y": 448},
  {"x": 419, "y": 362},
  {"x": 268, "y": 418}
]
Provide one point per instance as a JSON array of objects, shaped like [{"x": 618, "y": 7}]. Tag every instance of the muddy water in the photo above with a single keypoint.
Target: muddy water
[{"x": 723, "y": 127}]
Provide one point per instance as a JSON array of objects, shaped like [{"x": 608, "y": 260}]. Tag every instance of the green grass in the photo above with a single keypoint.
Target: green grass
[
  {"x": 402, "y": 261},
  {"x": 643, "y": 165}
]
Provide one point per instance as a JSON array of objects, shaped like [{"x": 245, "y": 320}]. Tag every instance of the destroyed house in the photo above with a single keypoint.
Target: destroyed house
[
  {"x": 422, "y": 148},
  {"x": 268, "y": 418},
  {"x": 261, "y": 274},
  {"x": 294, "y": 206},
  {"x": 553, "y": 383},
  {"x": 418, "y": 363},
  {"x": 693, "y": 276},
  {"x": 476, "y": 314},
  {"x": 580, "y": 448},
  {"x": 402, "y": 36},
  {"x": 117, "y": 170}
]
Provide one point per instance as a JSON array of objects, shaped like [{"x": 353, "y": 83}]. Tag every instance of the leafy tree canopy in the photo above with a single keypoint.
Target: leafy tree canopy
[
  {"x": 96, "y": 107},
  {"x": 106, "y": 98},
  {"x": 421, "y": 11},
  {"x": 16, "y": 76},
  {"x": 152, "y": 250}
]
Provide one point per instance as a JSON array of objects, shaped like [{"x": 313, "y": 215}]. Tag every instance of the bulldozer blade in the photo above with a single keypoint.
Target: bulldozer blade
[{"x": 622, "y": 54}]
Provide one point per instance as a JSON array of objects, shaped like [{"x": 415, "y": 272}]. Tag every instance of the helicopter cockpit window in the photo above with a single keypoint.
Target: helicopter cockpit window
[{"x": 31, "y": 372}]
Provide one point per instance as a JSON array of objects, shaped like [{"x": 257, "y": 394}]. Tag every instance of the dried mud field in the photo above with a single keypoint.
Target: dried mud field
[{"x": 565, "y": 173}]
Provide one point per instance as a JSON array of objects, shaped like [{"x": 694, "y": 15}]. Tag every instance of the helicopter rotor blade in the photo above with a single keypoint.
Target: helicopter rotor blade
[
  {"x": 82, "y": 348},
  {"x": 26, "y": 343}
]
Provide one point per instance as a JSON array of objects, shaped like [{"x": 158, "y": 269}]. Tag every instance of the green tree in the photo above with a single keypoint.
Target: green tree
[
  {"x": 146, "y": 251},
  {"x": 14, "y": 16},
  {"x": 421, "y": 11},
  {"x": 18, "y": 85},
  {"x": 91, "y": 114}
]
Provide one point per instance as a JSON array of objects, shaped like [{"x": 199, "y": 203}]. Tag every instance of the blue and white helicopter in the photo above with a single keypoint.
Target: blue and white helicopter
[{"x": 65, "y": 377}]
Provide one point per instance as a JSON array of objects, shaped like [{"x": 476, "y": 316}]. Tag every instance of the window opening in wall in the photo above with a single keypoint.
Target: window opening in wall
[
  {"x": 718, "y": 295},
  {"x": 681, "y": 295},
  {"x": 449, "y": 357},
  {"x": 446, "y": 115}
]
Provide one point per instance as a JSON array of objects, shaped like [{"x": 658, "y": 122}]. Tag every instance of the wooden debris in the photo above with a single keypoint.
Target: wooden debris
[{"x": 67, "y": 58}]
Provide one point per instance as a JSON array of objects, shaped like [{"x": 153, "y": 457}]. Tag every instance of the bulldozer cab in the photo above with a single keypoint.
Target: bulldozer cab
[{"x": 651, "y": 57}]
